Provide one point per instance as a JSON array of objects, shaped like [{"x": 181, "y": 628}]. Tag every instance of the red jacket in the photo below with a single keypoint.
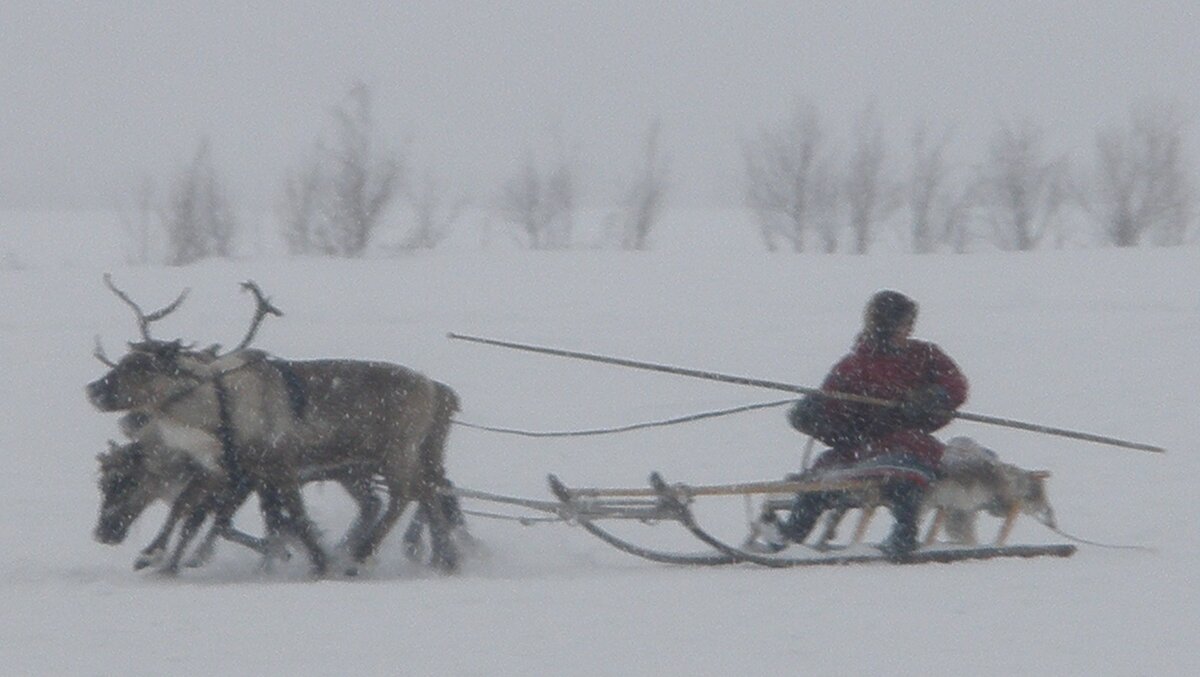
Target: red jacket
[{"x": 861, "y": 431}]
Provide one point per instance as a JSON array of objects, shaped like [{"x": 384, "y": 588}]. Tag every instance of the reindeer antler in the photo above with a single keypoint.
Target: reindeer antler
[
  {"x": 144, "y": 320},
  {"x": 263, "y": 307},
  {"x": 98, "y": 353}
]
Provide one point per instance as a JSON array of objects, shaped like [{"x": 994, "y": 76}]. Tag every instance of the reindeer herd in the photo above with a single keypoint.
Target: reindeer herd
[{"x": 206, "y": 429}]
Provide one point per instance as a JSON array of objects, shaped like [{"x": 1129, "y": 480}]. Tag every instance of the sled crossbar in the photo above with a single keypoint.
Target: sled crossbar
[
  {"x": 641, "y": 509},
  {"x": 736, "y": 489}
]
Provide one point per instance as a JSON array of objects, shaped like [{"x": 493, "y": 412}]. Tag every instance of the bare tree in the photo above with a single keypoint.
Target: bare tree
[
  {"x": 869, "y": 194},
  {"x": 198, "y": 218},
  {"x": 643, "y": 201},
  {"x": 1021, "y": 189},
  {"x": 956, "y": 206},
  {"x": 938, "y": 205},
  {"x": 363, "y": 179},
  {"x": 782, "y": 165},
  {"x": 1141, "y": 184},
  {"x": 139, "y": 219},
  {"x": 541, "y": 203},
  {"x": 824, "y": 206},
  {"x": 304, "y": 211},
  {"x": 433, "y": 214},
  {"x": 337, "y": 200}
]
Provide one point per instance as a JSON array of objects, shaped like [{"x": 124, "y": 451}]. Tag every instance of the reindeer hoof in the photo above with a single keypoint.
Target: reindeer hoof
[
  {"x": 414, "y": 551},
  {"x": 147, "y": 559},
  {"x": 445, "y": 563}
]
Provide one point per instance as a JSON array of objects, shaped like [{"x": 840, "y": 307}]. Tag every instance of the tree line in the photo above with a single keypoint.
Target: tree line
[{"x": 810, "y": 188}]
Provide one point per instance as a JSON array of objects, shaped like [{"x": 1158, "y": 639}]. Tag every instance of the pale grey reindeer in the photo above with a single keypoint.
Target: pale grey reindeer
[
  {"x": 273, "y": 418},
  {"x": 135, "y": 475},
  {"x": 972, "y": 480}
]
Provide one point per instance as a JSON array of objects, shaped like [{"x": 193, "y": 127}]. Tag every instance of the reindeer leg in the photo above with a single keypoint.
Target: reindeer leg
[
  {"x": 369, "y": 506},
  {"x": 960, "y": 526},
  {"x": 413, "y": 543},
  {"x": 222, "y": 527},
  {"x": 444, "y": 556},
  {"x": 185, "y": 502},
  {"x": 939, "y": 518},
  {"x": 832, "y": 519},
  {"x": 868, "y": 512},
  {"x": 154, "y": 551},
  {"x": 1010, "y": 519},
  {"x": 288, "y": 493},
  {"x": 397, "y": 501},
  {"x": 458, "y": 521},
  {"x": 190, "y": 526}
]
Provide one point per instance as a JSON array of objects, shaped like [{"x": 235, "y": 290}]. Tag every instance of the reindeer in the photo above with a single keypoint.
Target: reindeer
[
  {"x": 273, "y": 417},
  {"x": 973, "y": 479},
  {"x": 135, "y": 475}
]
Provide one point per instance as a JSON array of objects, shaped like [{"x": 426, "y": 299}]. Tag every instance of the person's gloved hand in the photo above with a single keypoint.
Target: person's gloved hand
[{"x": 923, "y": 405}]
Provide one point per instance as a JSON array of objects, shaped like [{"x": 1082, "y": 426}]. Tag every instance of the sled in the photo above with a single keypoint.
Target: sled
[{"x": 662, "y": 502}]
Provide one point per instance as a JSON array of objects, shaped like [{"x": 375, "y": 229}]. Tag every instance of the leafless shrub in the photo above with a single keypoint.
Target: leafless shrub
[
  {"x": 1141, "y": 184},
  {"x": 336, "y": 201},
  {"x": 938, "y": 208},
  {"x": 869, "y": 193},
  {"x": 1020, "y": 188},
  {"x": 783, "y": 168},
  {"x": 541, "y": 203},
  {"x": 302, "y": 212},
  {"x": 643, "y": 201},
  {"x": 140, "y": 217},
  {"x": 434, "y": 214},
  {"x": 198, "y": 218},
  {"x": 824, "y": 208}
]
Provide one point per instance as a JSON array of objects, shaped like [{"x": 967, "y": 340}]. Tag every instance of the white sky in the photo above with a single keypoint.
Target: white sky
[{"x": 95, "y": 95}]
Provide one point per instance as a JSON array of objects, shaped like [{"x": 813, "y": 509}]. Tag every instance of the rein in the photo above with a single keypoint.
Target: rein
[
  {"x": 626, "y": 428},
  {"x": 229, "y": 451}
]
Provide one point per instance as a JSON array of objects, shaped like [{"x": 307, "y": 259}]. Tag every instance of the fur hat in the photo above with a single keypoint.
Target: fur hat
[{"x": 886, "y": 312}]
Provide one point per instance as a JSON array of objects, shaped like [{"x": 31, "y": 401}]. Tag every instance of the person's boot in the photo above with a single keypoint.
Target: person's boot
[
  {"x": 905, "y": 501},
  {"x": 806, "y": 510},
  {"x": 765, "y": 535}
]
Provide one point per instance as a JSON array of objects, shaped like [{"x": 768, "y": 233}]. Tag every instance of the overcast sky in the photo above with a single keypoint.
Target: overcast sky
[{"x": 96, "y": 95}]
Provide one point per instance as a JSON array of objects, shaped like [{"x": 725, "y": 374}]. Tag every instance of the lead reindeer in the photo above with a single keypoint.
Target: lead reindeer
[{"x": 273, "y": 418}]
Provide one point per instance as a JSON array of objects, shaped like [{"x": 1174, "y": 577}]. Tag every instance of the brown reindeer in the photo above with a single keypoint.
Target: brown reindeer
[{"x": 273, "y": 418}]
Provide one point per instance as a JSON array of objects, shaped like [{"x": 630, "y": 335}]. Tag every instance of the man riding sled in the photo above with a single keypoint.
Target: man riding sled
[{"x": 892, "y": 443}]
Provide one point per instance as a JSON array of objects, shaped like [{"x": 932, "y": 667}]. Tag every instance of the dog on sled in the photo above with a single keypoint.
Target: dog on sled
[{"x": 972, "y": 480}]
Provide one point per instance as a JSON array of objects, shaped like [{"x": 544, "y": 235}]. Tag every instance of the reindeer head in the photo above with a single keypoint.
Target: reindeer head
[
  {"x": 148, "y": 374},
  {"x": 155, "y": 370},
  {"x": 124, "y": 490},
  {"x": 1035, "y": 502}
]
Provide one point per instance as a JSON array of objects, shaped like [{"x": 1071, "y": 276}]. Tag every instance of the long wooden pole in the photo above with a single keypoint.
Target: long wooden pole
[{"x": 804, "y": 390}]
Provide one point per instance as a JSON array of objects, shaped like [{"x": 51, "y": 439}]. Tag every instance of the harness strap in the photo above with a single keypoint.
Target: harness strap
[{"x": 229, "y": 452}]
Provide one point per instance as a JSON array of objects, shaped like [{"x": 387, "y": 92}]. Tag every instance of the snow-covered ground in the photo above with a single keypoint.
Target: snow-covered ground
[{"x": 1103, "y": 341}]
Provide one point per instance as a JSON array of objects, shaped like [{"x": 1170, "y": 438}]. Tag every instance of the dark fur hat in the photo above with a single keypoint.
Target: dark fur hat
[{"x": 886, "y": 312}]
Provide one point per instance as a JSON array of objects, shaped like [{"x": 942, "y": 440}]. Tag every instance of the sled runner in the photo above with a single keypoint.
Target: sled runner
[{"x": 663, "y": 502}]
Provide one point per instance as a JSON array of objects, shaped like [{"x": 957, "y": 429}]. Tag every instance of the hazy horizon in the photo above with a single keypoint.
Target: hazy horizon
[{"x": 97, "y": 96}]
